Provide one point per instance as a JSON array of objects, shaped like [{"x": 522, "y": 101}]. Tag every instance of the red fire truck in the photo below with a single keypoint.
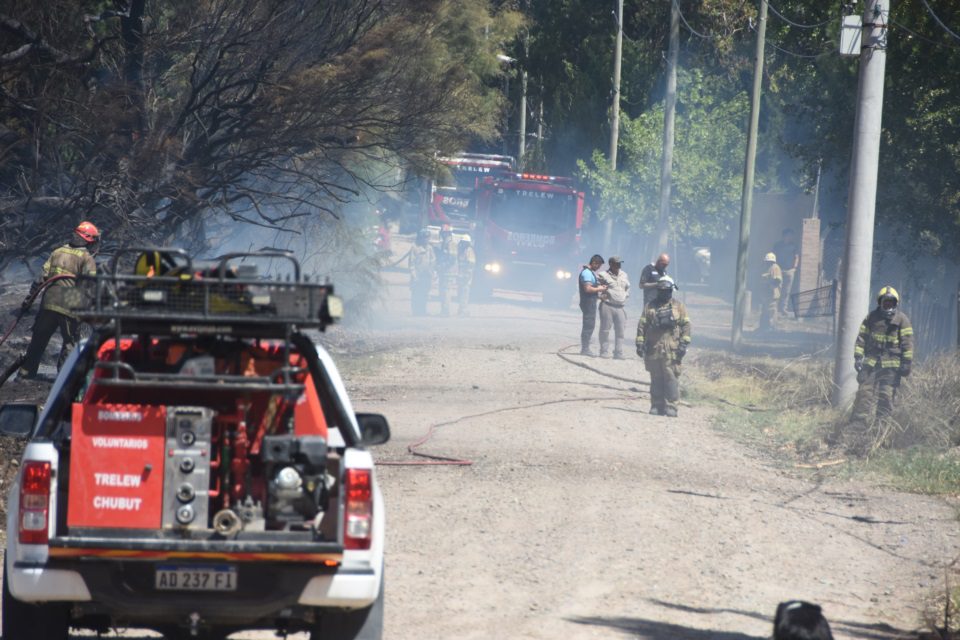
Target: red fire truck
[
  {"x": 450, "y": 197},
  {"x": 528, "y": 235}
]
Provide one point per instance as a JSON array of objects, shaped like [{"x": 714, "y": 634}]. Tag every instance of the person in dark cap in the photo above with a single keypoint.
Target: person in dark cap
[{"x": 612, "y": 302}]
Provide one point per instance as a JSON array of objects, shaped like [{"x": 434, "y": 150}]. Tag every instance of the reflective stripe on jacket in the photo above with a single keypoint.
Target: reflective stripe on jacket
[
  {"x": 772, "y": 280},
  {"x": 65, "y": 260},
  {"x": 885, "y": 343},
  {"x": 422, "y": 263},
  {"x": 661, "y": 343}
]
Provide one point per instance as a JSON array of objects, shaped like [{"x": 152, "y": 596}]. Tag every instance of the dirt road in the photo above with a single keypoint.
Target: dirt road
[
  {"x": 581, "y": 516},
  {"x": 584, "y": 517}
]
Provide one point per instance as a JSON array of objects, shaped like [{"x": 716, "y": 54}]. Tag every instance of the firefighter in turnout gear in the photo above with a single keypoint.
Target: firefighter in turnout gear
[
  {"x": 446, "y": 268},
  {"x": 882, "y": 356},
  {"x": 771, "y": 281},
  {"x": 59, "y": 273},
  {"x": 421, "y": 264},
  {"x": 663, "y": 335},
  {"x": 466, "y": 264}
]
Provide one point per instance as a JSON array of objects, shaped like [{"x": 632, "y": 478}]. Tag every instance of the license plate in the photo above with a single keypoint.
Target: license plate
[{"x": 196, "y": 578}]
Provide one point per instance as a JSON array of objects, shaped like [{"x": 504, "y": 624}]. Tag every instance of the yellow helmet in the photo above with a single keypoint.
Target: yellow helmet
[
  {"x": 154, "y": 263},
  {"x": 770, "y": 257},
  {"x": 888, "y": 292}
]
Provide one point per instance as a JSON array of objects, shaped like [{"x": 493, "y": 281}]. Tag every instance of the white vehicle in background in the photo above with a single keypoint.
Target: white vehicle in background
[{"x": 197, "y": 468}]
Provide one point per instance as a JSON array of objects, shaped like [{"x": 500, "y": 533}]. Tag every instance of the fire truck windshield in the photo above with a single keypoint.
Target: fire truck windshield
[
  {"x": 531, "y": 211},
  {"x": 467, "y": 176}
]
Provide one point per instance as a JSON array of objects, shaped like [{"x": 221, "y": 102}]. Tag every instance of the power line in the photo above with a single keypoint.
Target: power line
[
  {"x": 795, "y": 54},
  {"x": 921, "y": 36},
  {"x": 787, "y": 51},
  {"x": 939, "y": 21},
  {"x": 691, "y": 29},
  {"x": 796, "y": 24}
]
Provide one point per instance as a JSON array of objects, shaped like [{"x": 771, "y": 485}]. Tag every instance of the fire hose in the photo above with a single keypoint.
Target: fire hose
[
  {"x": 18, "y": 362},
  {"x": 433, "y": 459}
]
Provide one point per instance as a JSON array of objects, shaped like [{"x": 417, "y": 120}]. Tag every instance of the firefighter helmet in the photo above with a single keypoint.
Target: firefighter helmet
[
  {"x": 888, "y": 293},
  {"x": 770, "y": 257},
  {"x": 155, "y": 263},
  {"x": 87, "y": 231},
  {"x": 666, "y": 283}
]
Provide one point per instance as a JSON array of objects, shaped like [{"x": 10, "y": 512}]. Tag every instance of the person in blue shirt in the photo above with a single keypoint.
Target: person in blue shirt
[{"x": 590, "y": 290}]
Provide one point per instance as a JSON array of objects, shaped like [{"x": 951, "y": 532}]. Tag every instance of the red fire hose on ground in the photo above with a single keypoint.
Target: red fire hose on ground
[{"x": 23, "y": 309}]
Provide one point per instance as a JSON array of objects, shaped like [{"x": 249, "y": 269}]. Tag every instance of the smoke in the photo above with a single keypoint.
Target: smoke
[{"x": 337, "y": 247}]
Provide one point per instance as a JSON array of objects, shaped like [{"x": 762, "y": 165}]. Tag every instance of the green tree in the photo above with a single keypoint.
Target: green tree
[
  {"x": 918, "y": 196},
  {"x": 570, "y": 62},
  {"x": 706, "y": 184}
]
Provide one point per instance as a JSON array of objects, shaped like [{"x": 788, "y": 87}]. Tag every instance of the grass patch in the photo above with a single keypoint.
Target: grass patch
[
  {"x": 918, "y": 469},
  {"x": 783, "y": 407}
]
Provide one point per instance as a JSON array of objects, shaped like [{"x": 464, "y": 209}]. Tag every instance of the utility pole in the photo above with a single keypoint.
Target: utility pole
[
  {"x": 614, "y": 119},
  {"x": 862, "y": 198},
  {"x": 540, "y": 118},
  {"x": 746, "y": 198},
  {"x": 669, "y": 116},
  {"x": 815, "y": 213},
  {"x": 522, "y": 147},
  {"x": 506, "y": 125}
]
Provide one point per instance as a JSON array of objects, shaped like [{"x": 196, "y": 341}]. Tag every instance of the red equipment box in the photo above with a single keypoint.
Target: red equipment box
[{"x": 117, "y": 466}]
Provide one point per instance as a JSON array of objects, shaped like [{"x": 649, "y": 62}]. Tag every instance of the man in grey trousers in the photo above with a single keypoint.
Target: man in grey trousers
[{"x": 612, "y": 313}]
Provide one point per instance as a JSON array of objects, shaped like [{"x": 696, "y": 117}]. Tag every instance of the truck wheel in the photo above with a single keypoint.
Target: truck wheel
[
  {"x": 358, "y": 624},
  {"x": 25, "y": 621}
]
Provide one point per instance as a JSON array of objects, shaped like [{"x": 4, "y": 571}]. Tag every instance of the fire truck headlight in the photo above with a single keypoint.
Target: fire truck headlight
[
  {"x": 492, "y": 267},
  {"x": 563, "y": 275}
]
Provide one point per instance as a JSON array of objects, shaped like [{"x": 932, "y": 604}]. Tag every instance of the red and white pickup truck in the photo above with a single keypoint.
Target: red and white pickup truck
[{"x": 197, "y": 468}]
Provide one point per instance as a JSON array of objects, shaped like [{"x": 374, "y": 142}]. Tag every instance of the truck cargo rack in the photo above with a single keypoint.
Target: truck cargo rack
[
  {"x": 132, "y": 378},
  {"x": 167, "y": 294},
  {"x": 167, "y": 288}
]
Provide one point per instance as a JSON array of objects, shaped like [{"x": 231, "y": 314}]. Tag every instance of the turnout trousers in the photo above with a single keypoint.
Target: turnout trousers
[
  {"x": 664, "y": 388},
  {"x": 616, "y": 317},
  {"x": 45, "y": 325},
  {"x": 878, "y": 387},
  {"x": 768, "y": 315},
  {"x": 464, "y": 282},
  {"x": 446, "y": 281}
]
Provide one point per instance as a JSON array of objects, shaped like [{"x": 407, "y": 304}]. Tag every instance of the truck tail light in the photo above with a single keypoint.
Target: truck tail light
[
  {"x": 358, "y": 527},
  {"x": 35, "y": 502}
]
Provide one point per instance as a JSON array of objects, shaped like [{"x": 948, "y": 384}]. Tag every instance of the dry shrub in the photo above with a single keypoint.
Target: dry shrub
[
  {"x": 926, "y": 411},
  {"x": 799, "y": 383},
  {"x": 927, "y": 408}
]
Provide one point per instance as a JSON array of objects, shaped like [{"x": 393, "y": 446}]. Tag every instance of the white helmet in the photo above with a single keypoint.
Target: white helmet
[
  {"x": 770, "y": 257},
  {"x": 666, "y": 282}
]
